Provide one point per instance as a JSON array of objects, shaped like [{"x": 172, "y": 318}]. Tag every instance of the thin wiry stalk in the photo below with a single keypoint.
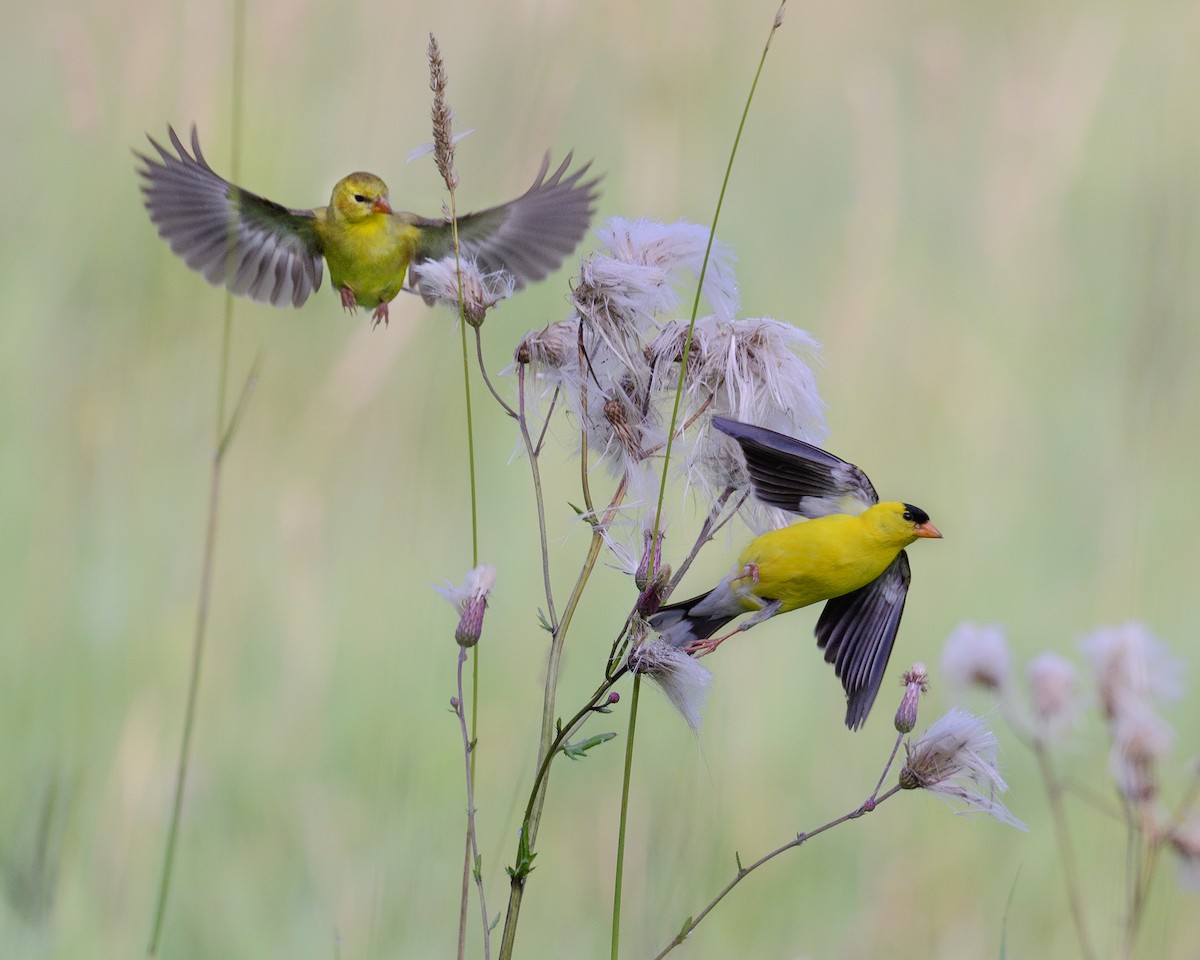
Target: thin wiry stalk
[
  {"x": 546, "y": 753},
  {"x": 742, "y": 872},
  {"x": 687, "y": 346},
  {"x": 886, "y": 767},
  {"x": 619, "y": 872},
  {"x": 531, "y": 451},
  {"x": 224, "y": 434},
  {"x": 1132, "y": 861},
  {"x": 712, "y": 523},
  {"x": 472, "y": 836},
  {"x": 443, "y": 154},
  {"x": 488, "y": 380},
  {"x": 1062, "y": 827},
  {"x": 712, "y": 233}
]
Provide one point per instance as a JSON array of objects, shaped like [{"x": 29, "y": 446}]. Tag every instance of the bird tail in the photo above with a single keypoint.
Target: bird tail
[{"x": 679, "y": 624}]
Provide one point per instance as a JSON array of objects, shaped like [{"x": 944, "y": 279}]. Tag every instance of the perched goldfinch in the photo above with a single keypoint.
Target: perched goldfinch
[
  {"x": 849, "y": 552},
  {"x": 270, "y": 253}
]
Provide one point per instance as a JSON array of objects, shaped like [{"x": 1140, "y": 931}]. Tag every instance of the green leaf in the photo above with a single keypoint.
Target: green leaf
[
  {"x": 524, "y": 865},
  {"x": 576, "y": 751}
]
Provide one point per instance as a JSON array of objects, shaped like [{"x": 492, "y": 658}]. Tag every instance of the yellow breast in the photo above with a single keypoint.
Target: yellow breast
[
  {"x": 370, "y": 256},
  {"x": 817, "y": 559}
]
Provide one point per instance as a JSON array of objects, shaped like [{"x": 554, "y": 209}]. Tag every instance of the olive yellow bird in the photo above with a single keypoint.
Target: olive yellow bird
[
  {"x": 849, "y": 552},
  {"x": 260, "y": 249}
]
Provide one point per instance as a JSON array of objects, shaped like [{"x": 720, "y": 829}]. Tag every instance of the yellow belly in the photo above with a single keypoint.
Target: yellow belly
[
  {"x": 370, "y": 257},
  {"x": 815, "y": 560}
]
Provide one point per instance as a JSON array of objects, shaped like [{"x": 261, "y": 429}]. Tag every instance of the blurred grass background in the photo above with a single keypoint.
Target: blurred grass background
[{"x": 987, "y": 215}]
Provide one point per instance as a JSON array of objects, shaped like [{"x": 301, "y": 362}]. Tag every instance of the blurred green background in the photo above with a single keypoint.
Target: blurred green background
[{"x": 988, "y": 215}]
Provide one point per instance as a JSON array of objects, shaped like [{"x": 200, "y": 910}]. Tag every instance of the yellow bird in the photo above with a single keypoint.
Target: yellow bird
[
  {"x": 260, "y": 249},
  {"x": 849, "y": 552}
]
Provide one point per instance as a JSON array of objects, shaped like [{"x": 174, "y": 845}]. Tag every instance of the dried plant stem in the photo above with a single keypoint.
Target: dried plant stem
[
  {"x": 472, "y": 837},
  {"x": 1062, "y": 827},
  {"x": 1146, "y": 843},
  {"x": 742, "y": 872},
  {"x": 224, "y": 433}
]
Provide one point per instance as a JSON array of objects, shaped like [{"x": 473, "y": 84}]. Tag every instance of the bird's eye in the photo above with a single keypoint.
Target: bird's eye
[
  {"x": 908, "y": 515},
  {"x": 359, "y": 198}
]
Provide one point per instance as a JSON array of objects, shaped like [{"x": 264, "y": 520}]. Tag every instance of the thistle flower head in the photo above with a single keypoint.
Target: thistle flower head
[
  {"x": 1141, "y": 739},
  {"x": 681, "y": 677},
  {"x": 438, "y": 281},
  {"x": 1130, "y": 665},
  {"x": 753, "y": 370},
  {"x": 1052, "y": 687},
  {"x": 644, "y": 258},
  {"x": 956, "y": 759},
  {"x": 978, "y": 656},
  {"x": 470, "y": 600},
  {"x": 916, "y": 682}
]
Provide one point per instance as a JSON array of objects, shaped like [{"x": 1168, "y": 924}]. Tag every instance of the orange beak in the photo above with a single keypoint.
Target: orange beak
[
  {"x": 927, "y": 529},
  {"x": 381, "y": 206}
]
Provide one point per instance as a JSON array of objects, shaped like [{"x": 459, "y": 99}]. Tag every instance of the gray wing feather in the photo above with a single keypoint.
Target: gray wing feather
[
  {"x": 529, "y": 237},
  {"x": 857, "y": 632},
  {"x": 797, "y": 476},
  {"x": 252, "y": 246}
]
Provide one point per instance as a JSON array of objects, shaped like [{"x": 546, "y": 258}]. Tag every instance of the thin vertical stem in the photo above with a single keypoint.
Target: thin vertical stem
[
  {"x": 1054, "y": 795},
  {"x": 620, "y": 868},
  {"x": 222, "y": 435},
  {"x": 472, "y": 838}
]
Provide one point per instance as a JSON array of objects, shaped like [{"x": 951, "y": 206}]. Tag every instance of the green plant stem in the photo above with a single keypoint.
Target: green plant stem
[
  {"x": 692, "y": 922},
  {"x": 473, "y": 865},
  {"x": 470, "y": 840},
  {"x": 1062, "y": 827},
  {"x": 712, "y": 234},
  {"x": 223, "y": 437},
  {"x": 619, "y": 872},
  {"x": 533, "y": 807}
]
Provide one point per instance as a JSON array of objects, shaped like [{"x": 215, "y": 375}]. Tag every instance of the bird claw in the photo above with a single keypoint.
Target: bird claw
[
  {"x": 701, "y": 648},
  {"x": 349, "y": 301},
  {"x": 380, "y": 315}
]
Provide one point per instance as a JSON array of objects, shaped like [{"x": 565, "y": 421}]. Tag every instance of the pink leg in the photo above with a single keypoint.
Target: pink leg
[
  {"x": 349, "y": 301},
  {"x": 380, "y": 314}
]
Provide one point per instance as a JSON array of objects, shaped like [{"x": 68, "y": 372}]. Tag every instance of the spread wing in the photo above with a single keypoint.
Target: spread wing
[
  {"x": 796, "y": 476},
  {"x": 857, "y": 632},
  {"x": 528, "y": 237},
  {"x": 246, "y": 243}
]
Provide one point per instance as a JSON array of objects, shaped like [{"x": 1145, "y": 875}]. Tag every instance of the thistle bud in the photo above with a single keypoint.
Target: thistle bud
[
  {"x": 915, "y": 683},
  {"x": 471, "y": 601}
]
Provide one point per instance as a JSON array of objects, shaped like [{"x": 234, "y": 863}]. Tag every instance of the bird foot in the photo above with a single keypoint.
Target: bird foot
[
  {"x": 702, "y": 648},
  {"x": 380, "y": 315},
  {"x": 349, "y": 301}
]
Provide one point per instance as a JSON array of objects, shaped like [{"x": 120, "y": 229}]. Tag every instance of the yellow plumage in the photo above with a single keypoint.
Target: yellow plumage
[
  {"x": 367, "y": 247},
  {"x": 849, "y": 553},
  {"x": 271, "y": 253},
  {"x": 825, "y": 557}
]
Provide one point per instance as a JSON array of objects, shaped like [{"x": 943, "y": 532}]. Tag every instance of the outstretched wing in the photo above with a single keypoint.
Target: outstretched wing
[
  {"x": 528, "y": 237},
  {"x": 250, "y": 245},
  {"x": 796, "y": 476},
  {"x": 857, "y": 632}
]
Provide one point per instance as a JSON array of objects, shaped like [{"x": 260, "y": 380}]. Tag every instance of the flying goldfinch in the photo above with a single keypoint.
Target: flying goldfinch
[
  {"x": 271, "y": 253},
  {"x": 849, "y": 552}
]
